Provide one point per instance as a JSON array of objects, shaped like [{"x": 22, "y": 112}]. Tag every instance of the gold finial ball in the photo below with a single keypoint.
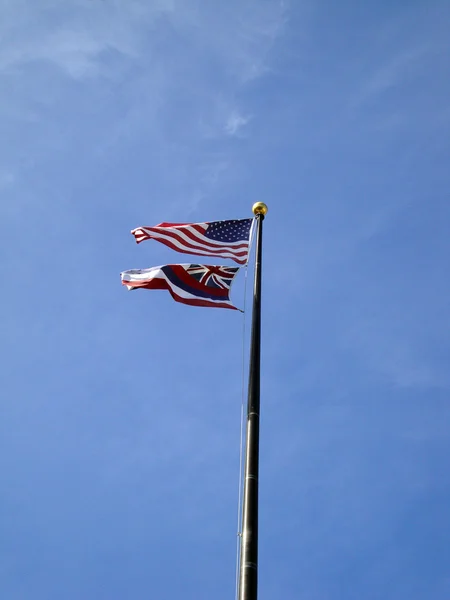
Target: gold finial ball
[{"x": 259, "y": 208}]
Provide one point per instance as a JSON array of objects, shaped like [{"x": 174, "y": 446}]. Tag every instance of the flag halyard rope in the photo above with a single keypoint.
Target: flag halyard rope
[{"x": 241, "y": 440}]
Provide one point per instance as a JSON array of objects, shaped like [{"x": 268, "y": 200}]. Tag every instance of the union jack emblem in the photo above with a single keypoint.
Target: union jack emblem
[{"x": 213, "y": 276}]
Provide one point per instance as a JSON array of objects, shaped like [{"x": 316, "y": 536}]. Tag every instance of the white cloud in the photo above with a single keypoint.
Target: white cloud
[
  {"x": 168, "y": 71},
  {"x": 235, "y": 123},
  {"x": 392, "y": 73},
  {"x": 72, "y": 39},
  {"x": 237, "y": 36}
]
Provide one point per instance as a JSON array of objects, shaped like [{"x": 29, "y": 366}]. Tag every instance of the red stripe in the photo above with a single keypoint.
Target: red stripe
[
  {"x": 162, "y": 284},
  {"x": 206, "y": 241},
  {"x": 201, "y": 302},
  {"x": 185, "y": 278},
  {"x": 197, "y": 226},
  {"x": 238, "y": 250},
  {"x": 142, "y": 235},
  {"x": 200, "y": 253},
  {"x": 154, "y": 284}
]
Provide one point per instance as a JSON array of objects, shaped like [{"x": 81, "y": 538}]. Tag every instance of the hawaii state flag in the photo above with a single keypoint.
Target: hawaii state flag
[{"x": 197, "y": 285}]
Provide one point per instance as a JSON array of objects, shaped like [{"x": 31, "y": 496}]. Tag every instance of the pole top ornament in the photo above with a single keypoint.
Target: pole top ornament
[{"x": 259, "y": 208}]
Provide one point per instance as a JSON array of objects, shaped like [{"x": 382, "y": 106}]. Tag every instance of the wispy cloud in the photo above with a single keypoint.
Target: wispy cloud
[
  {"x": 394, "y": 72},
  {"x": 177, "y": 73},
  {"x": 235, "y": 123}
]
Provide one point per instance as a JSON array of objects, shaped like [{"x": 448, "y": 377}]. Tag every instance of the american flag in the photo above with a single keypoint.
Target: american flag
[
  {"x": 224, "y": 239},
  {"x": 197, "y": 285}
]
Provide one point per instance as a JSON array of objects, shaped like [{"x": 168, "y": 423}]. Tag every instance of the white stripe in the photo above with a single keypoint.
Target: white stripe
[
  {"x": 141, "y": 274},
  {"x": 183, "y": 240},
  {"x": 145, "y": 275},
  {"x": 224, "y": 252},
  {"x": 199, "y": 236},
  {"x": 188, "y": 296},
  {"x": 203, "y": 225}
]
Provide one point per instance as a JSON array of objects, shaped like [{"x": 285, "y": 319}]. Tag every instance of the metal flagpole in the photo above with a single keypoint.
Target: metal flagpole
[{"x": 248, "y": 564}]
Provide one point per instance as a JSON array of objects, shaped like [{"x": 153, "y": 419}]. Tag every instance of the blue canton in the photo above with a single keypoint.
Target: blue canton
[{"x": 229, "y": 231}]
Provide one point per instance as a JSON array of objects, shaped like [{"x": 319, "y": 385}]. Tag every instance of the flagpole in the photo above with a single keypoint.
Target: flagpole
[{"x": 248, "y": 563}]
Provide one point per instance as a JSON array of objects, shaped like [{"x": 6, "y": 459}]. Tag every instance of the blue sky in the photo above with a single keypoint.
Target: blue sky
[{"x": 120, "y": 412}]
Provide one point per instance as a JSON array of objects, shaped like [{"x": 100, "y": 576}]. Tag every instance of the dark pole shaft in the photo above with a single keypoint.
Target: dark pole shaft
[{"x": 248, "y": 566}]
